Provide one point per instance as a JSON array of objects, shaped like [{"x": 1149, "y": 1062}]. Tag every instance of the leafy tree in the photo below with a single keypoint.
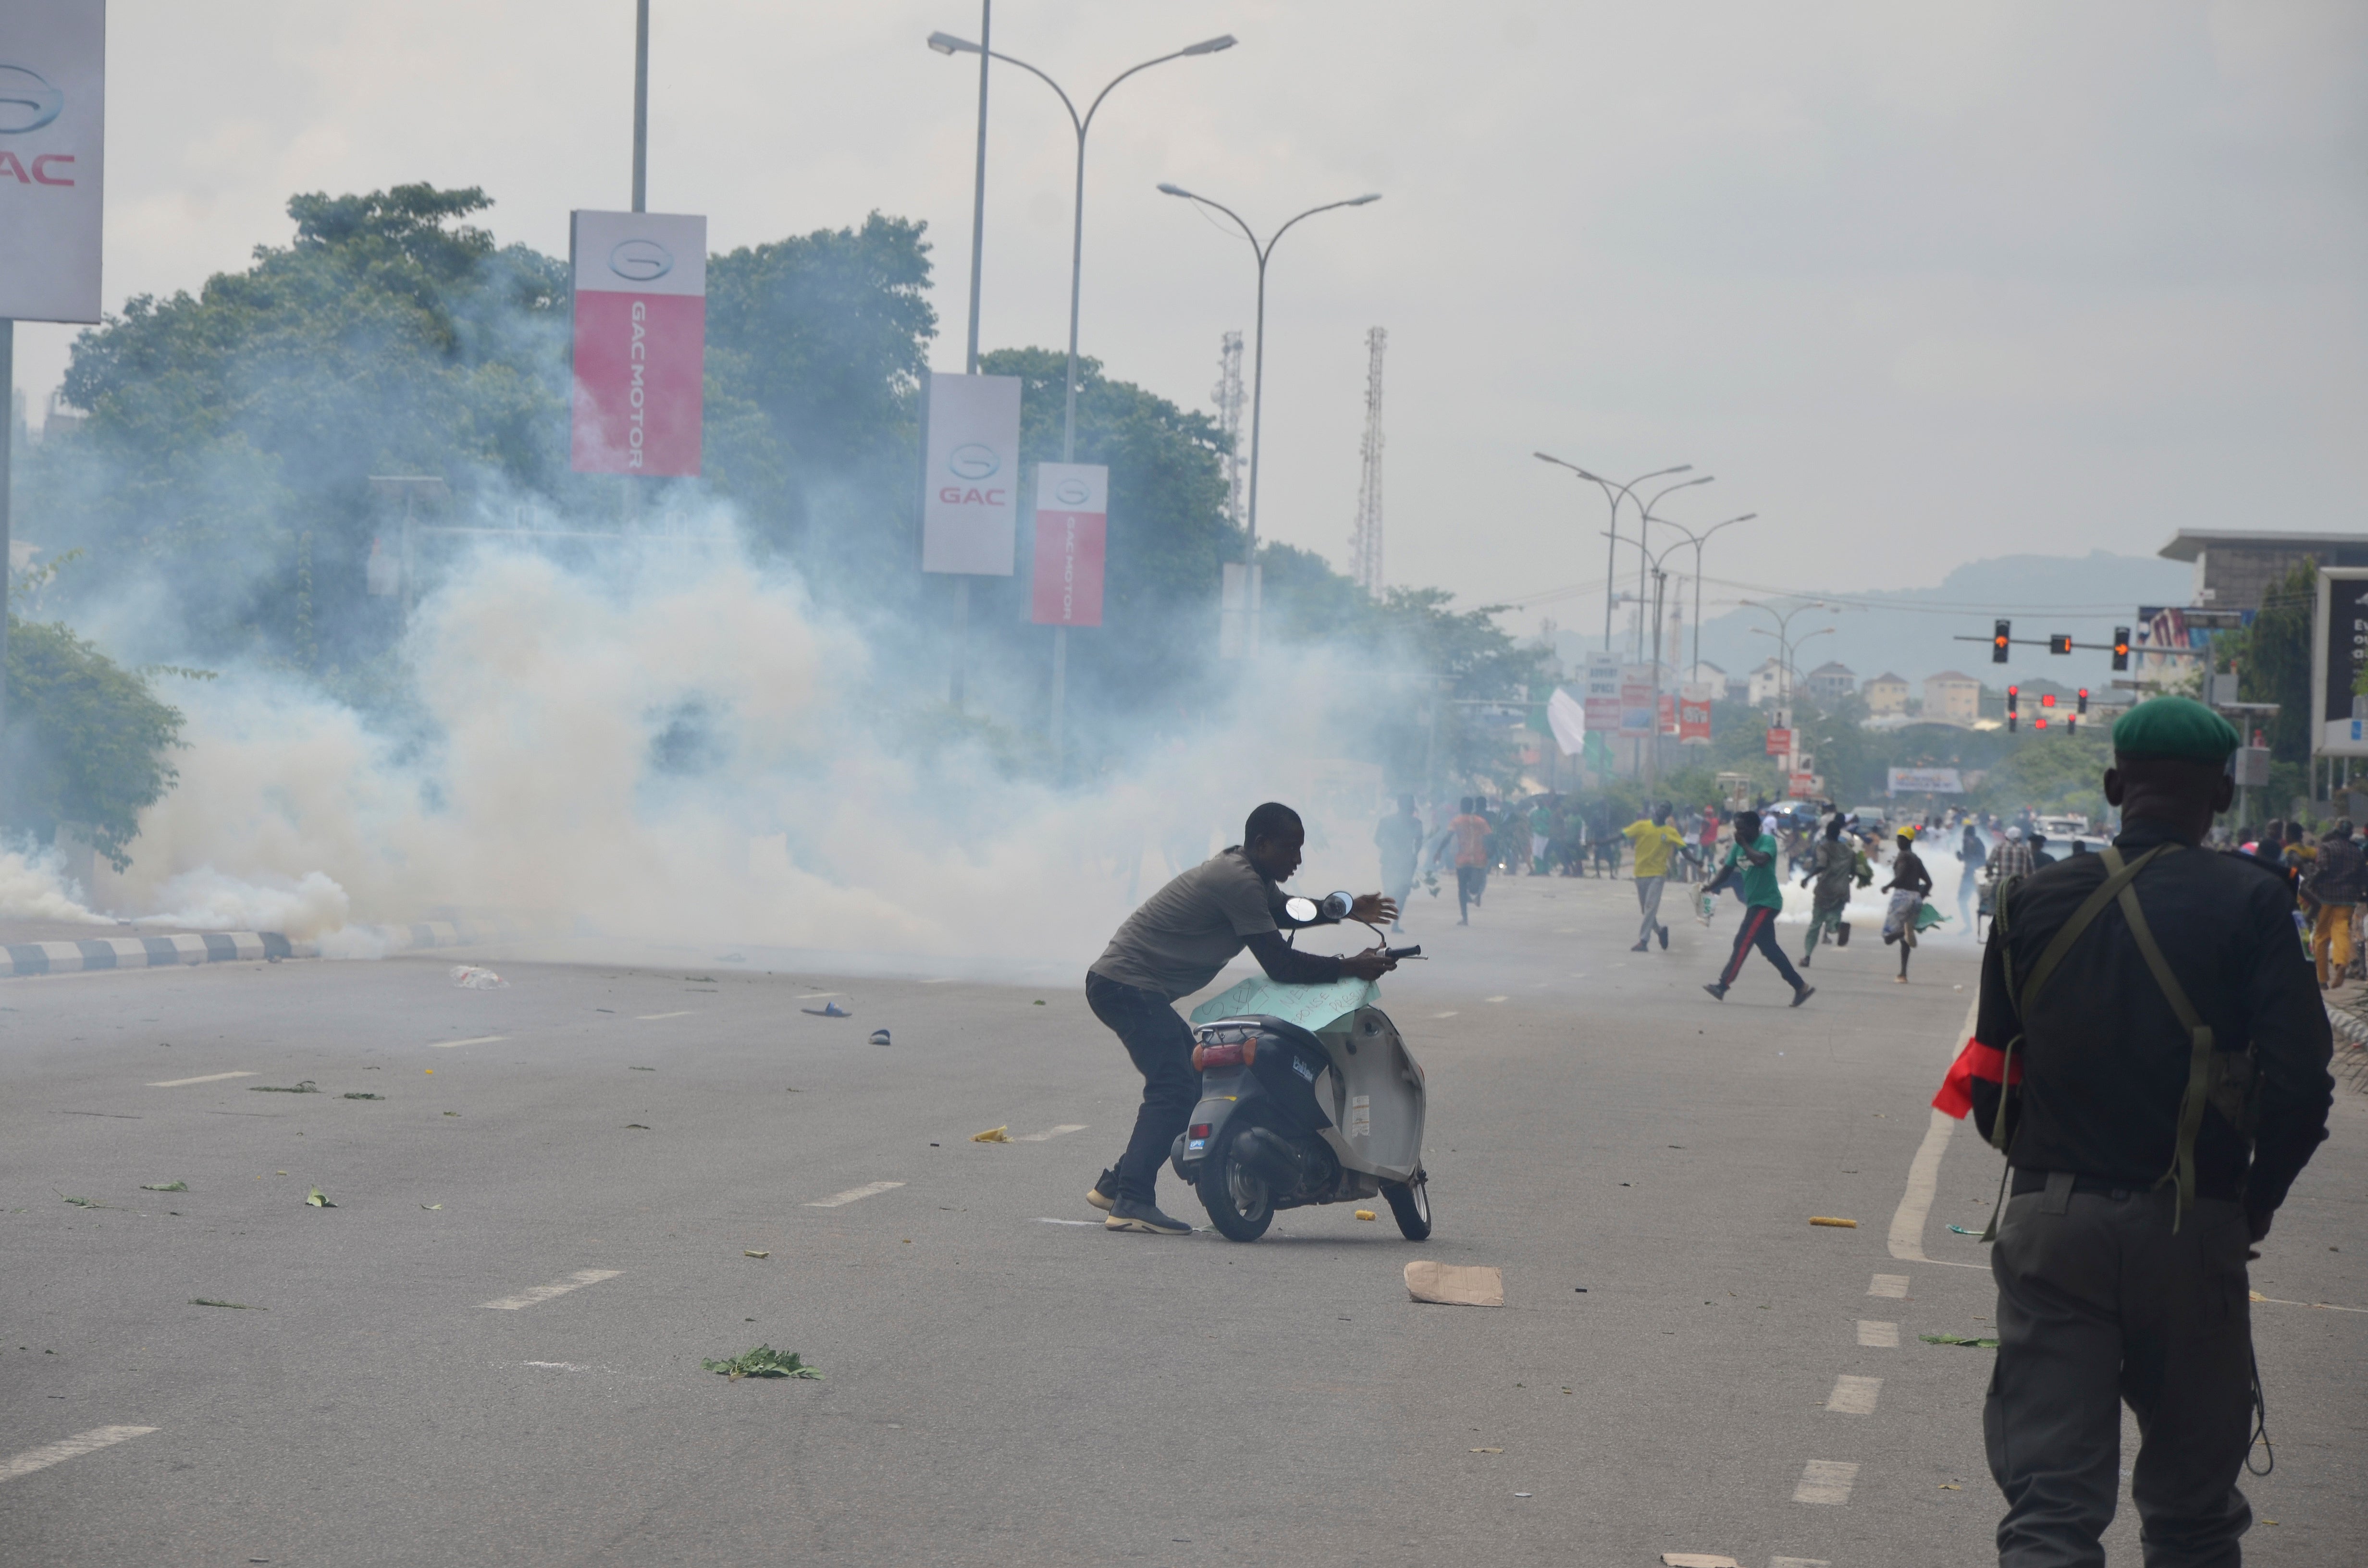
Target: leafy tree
[{"x": 87, "y": 742}]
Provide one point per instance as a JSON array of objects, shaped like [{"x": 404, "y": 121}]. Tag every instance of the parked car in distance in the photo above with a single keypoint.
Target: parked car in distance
[{"x": 2063, "y": 827}]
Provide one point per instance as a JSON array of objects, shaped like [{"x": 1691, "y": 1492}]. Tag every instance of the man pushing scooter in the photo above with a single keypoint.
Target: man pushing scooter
[{"x": 1171, "y": 946}]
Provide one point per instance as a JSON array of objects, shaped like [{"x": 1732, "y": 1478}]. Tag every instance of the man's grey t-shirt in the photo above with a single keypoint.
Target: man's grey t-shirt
[{"x": 1192, "y": 928}]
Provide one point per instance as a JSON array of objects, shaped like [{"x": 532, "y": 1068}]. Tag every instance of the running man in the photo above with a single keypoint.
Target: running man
[
  {"x": 1470, "y": 830},
  {"x": 1752, "y": 861},
  {"x": 1654, "y": 840},
  {"x": 1909, "y": 882},
  {"x": 1833, "y": 869}
]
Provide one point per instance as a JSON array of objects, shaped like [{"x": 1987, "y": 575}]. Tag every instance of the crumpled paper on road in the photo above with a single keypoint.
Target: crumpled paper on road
[{"x": 1455, "y": 1284}]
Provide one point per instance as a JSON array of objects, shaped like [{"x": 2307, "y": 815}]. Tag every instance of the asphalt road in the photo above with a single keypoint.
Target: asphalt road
[{"x": 1003, "y": 1384}]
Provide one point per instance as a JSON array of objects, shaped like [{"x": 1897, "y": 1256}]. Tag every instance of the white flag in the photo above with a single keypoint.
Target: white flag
[{"x": 1568, "y": 720}]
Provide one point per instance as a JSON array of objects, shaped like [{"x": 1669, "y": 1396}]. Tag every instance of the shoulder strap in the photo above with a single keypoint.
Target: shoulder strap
[
  {"x": 2117, "y": 881},
  {"x": 2199, "y": 1059}
]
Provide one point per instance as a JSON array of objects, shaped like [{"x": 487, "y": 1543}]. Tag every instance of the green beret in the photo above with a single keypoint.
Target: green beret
[{"x": 2177, "y": 728}]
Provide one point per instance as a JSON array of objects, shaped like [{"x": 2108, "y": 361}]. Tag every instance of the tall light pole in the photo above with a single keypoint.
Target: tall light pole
[
  {"x": 1697, "y": 540},
  {"x": 1257, "y": 379},
  {"x": 1616, "y": 492},
  {"x": 945, "y": 43}
]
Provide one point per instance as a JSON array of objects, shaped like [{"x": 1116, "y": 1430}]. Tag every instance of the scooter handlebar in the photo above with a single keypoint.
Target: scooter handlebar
[{"x": 1413, "y": 952}]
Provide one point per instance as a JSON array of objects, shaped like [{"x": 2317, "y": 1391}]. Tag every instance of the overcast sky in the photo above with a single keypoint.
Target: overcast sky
[{"x": 1920, "y": 284}]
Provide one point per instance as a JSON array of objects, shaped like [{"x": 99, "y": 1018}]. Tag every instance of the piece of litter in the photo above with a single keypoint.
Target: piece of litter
[
  {"x": 762, "y": 1362},
  {"x": 828, "y": 1010},
  {"x": 1521, "y": 1495},
  {"x": 1455, "y": 1285},
  {"x": 164, "y": 1187},
  {"x": 1698, "y": 1559},
  {"x": 1958, "y": 1339},
  {"x": 85, "y": 1202},
  {"x": 279, "y": 1173},
  {"x": 469, "y": 977},
  {"x": 1487, "y": 1450},
  {"x": 1951, "y": 1486},
  {"x": 1829, "y": 1220},
  {"x": 879, "y": 1037},
  {"x": 992, "y": 1135},
  {"x": 1040, "y": 1002},
  {"x": 451, "y": 1113},
  {"x": 318, "y": 1199},
  {"x": 358, "y": 1094},
  {"x": 235, "y": 1306},
  {"x": 641, "y": 1069},
  {"x": 1963, "y": 1232},
  {"x": 305, "y": 1087},
  {"x": 1367, "y": 1214},
  {"x": 637, "y": 1126},
  {"x": 431, "y": 1206},
  {"x": 745, "y": 1253}
]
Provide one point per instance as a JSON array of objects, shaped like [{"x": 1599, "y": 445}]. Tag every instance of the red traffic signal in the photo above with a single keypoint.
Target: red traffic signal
[
  {"x": 2084, "y": 699},
  {"x": 2041, "y": 723},
  {"x": 2047, "y": 700}
]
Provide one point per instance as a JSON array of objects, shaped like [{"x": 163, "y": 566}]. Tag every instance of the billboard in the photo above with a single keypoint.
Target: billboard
[
  {"x": 1072, "y": 533},
  {"x": 970, "y": 457},
  {"x": 641, "y": 341},
  {"x": 1779, "y": 741},
  {"x": 53, "y": 124},
  {"x": 1693, "y": 713},
  {"x": 1636, "y": 715},
  {"x": 1602, "y": 691},
  {"x": 1925, "y": 782},
  {"x": 2339, "y": 651}
]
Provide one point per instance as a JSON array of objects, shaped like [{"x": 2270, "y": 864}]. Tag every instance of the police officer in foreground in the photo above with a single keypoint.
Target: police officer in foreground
[{"x": 2152, "y": 1057}]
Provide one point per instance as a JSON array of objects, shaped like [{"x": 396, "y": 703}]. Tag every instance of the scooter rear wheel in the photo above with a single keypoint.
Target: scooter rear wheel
[
  {"x": 1410, "y": 1205},
  {"x": 1239, "y": 1202}
]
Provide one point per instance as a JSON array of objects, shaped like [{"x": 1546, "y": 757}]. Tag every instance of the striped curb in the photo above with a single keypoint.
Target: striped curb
[{"x": 141, "y": 952}]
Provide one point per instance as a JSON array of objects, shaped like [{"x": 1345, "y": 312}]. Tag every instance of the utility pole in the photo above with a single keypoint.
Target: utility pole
[
  {"x": 1231, "y": 399},
  {"x": 1365, "y": 541},
  {"x": 7, "y": 560}
]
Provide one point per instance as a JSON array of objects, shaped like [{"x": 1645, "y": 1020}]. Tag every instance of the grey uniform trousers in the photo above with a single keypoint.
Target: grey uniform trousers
[
  {"x": 2098, "y": 1303},
  {"x": 1648, "y": 900}
]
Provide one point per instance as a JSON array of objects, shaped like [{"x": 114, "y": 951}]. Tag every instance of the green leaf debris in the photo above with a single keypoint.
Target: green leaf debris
[{"x": 762, "y": 1362}]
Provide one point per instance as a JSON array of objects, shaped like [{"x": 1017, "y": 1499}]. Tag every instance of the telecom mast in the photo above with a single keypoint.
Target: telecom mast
[
  {"x": 1365, "y": 541},
  {"x": 1228, "y": 394}
]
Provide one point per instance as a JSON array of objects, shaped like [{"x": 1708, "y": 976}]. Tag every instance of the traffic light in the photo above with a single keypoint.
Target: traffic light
[
  {"x": 2047, "y": 700},
  {"x": 2121, "y": 647},
  {"x": 2003, "y": 635},
  {"x": 2013, "y": 695},
  {"x": 2039, "y": 724},
  {"x": 2059, "y": 642},
  {"x": 2084, "y": 701}
]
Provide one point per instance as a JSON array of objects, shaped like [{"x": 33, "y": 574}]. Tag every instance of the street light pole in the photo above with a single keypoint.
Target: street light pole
[
  {"x": 1615, "y": 493},
  {"x": 1699, "y": 539},
  {"x": 640, "y": 105},
  {"x": 1644, "y": 521},
  {"x": 1258, "y": 377},
  {"x": 946, "y": 44}
]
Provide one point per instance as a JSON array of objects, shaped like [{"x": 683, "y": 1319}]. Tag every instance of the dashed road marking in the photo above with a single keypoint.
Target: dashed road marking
[
  {"x": 654, "y": 1017},
  {"x": 1499, "y": 998},
  {"x": 473, "y": 1040},
  {"x": 1826, "y": 1481},
  {"x": 1855, "y": 1396},
  {"x": 1878, "y": 1336},
  {"x": 81, "y": 1443},
  {"x": 1448, "y": 1014},
  {"x": 208, "y": 1078},
  {"x": 872, "y": 1190},
  {"x": 1798, "y": 1563},
  {"x": 1891, "y": 1285},
  {"x": 576, "y": 1281},
  {"x": 1048, "y": 1220},
  {"x": 1051, "y": 1132}
]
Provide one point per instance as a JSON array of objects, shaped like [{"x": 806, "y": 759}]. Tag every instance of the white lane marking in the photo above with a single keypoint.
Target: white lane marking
[
  {"x": 1826, "y": 1481},
  {"x": 1853, "y": 1396},
  {"x": 1448, "y": 1014},
  {"x": 871, "y": 1190},
  {"x": 1891, "y": 1285},
  {"x": 947, "y": 980},
  {"x": 1051, "y": 1132},
  {"x": 576, "y": 1281},
  {"x": 817, "y": 995},
  {"x": 1798, "y": 1563},
  {"x": 1048, "y": 1220},
  {"x": 653, "y": 1017},
  {"x": 1906, "y": 1237},
  {"x": 208, "y": 1078},
  {"x": 1499, "y": 998},
  {"x": 81, "y": 1443},
  {"x": 473, "y": 1040},
  {"x": 1878, "y": 1336},
  {"x": 557, "y": 1366}
]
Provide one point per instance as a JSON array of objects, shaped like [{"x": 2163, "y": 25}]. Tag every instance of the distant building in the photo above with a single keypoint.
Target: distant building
[
  {"x": 1830, "y": 682},
  {"x": 1765, "y": 683},
  {"x": 1723, "y": 687},
  {"x": 1887, "y": 693},
  {"x": 1952, "y": 699},
  {"x": 2234, "y": 570}
]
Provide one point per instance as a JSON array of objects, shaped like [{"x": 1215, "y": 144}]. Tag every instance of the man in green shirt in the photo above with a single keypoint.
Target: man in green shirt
[
  {"x": 1654, "y": 841},
  {"x": 1753, "y": 861}
]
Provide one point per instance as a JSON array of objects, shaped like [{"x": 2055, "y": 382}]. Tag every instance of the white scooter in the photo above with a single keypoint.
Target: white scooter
[{"x": 1307, "y": 1095}]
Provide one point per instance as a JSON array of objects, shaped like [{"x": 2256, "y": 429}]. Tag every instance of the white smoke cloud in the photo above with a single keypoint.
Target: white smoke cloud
[{"x": 34, "y": 888}]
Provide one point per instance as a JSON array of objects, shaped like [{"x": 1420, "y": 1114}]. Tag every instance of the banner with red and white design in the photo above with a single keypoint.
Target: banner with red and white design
[
  {"x": 1072, "y": 534},
  {"x": 53, "y": 125},
  {"x": 641, "y": 342}
]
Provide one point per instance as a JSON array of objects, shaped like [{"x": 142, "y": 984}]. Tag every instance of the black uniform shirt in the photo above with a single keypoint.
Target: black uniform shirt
[{"x": 2103, "y": 1061}]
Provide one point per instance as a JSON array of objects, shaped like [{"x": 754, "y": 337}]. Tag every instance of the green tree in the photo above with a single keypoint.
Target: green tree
[{"x": 87, "y": 742}]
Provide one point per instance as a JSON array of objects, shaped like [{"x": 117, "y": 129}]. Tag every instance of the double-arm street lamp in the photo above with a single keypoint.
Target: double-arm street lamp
[
  {"x": 1616, "y": 492},
  {"x": 1697, "y": 540},
  {"x": 1258, "y": 375}
]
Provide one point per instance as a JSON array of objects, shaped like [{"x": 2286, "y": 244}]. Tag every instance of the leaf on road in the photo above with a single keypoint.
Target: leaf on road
[
  {"x": 318, "y": 1199},
  {"x": 164, "y": 1187},
  {"x": 238, "y": 1306},
  {"x": 993, "y": 1135},
  {"x": 762, "y": 1362},
  {"x": 305, "y": 1087},
  {"x": 359, "y": 1095},
  {"x": 1958, "y": 1339}
]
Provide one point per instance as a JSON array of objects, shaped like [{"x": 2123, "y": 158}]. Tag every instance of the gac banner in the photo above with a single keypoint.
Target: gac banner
[
  {"x": 970, "y": 473},
  {"x": 1925, "y": 782},
  {"x": 641, "y": 341},
  {"x": 1072, "y": 533},
  {"x": 52, "y": 111}
]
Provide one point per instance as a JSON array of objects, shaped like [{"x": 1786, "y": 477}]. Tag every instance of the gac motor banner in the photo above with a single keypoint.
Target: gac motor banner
[
  {"x": 53, "y": 112},
  {"x": 1072, "y": 532},
  {"x": 970, "y": 476},
  {"x": 641, "y": 341}
]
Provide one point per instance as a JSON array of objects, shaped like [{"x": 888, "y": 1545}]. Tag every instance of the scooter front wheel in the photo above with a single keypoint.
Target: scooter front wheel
[
  {"x": 1410, "y": 1205},
  {"x": 1239, "y": 1202}
]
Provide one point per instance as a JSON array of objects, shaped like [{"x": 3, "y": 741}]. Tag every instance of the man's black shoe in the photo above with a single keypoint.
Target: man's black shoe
[
  {"x": 1639, "y": 948},
  {"x": 1718, "y": 993},
  {"x": 1665, "y": 939},
  {"x": 1104, "y": 1192},
  {"x": 1802, "y": 994},
  {"x": 1126, "y": 1214}
]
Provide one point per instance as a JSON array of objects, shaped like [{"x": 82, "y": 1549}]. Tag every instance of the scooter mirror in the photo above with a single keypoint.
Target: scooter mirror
[
  {"x": 1337, "y": 905},
  {"x": 1303, "y": 911}
]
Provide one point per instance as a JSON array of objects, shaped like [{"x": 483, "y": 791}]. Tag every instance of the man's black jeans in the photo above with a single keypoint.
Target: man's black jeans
[{"x": 1161, "y": 1044}]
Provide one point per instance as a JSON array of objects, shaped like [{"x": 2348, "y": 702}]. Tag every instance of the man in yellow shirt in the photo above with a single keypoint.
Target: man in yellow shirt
[{"x": 1655, "y": 841}]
